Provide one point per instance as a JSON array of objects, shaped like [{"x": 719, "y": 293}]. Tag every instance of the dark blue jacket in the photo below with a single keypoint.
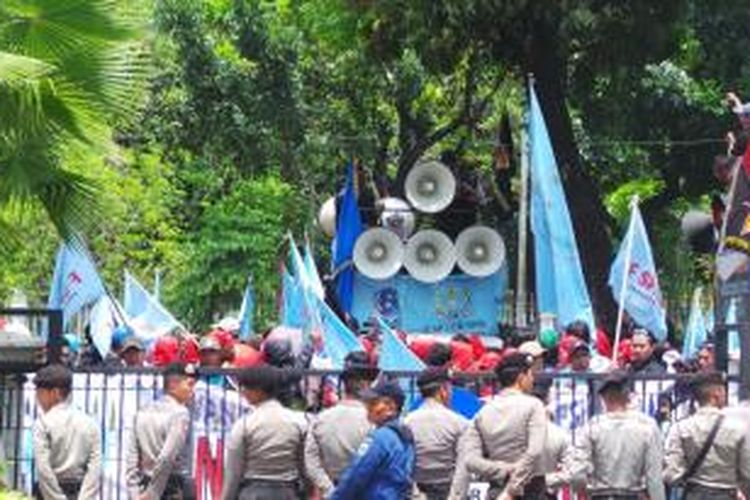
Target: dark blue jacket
[{"x": 383, "y": 467}]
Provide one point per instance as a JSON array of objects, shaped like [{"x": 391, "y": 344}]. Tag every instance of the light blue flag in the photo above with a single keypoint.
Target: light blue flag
[
  {"x": 733, "y": 332},
  {"x": 247, "y": 311},
  {"x": 696, "y": 330},
  {"x": 560, "y": 286},
  {"x": 292, "y": 301},
  {"x": 75, "y": 283},
  {"x": 148, "y": 318},
  {"x": 394, "y": 355},
  {"x": 312, "y": 272},
  {"x": 338, "y": 339},
  {"x": 348, "y": 229},
  {"x": 643, "y": 299},
  {"x": 102, "y": 323}
]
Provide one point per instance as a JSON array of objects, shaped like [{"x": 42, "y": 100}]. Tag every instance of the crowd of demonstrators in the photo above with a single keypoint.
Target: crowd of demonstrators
[{"x": 369, "y": 445}]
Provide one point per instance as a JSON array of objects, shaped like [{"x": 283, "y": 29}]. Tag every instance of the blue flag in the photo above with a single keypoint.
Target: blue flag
[
  {"x": 247, "y": 310},
  {"x": 75, "y": 283},
  {"x": 394, "y": 354},
  {"x": 643, "y": 299},
  {"x": 348, "y": 229},
  {"x": 560, "y": 286},
  {"x": 696, "y": 331},
  {"x": 292, "y": 301},
  {"x": 148, "y": 318}
]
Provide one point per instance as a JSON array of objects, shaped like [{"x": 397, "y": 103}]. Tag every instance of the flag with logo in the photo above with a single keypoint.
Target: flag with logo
[
  {"x": 75, "y": 283},
  {"x": 560, "y": 285},
  {"x": 642, "y": 298}
]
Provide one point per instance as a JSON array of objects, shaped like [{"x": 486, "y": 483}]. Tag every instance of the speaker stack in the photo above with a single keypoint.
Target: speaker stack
[{"x": 428, "y": 255}]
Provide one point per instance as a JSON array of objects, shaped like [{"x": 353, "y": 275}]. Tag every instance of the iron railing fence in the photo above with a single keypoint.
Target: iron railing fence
[{"x": 112, "y": 395}]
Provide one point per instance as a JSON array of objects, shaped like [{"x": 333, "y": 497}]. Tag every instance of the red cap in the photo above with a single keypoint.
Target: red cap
[
  {"x": 245, "y": 356},
  {"x": 462, "y": 355},
  {"x": 166, "y": 350},
  {"x": 224, "y": 338},
  {"x": 189, "y": 349},
  {"x": 421, "y": 346}
]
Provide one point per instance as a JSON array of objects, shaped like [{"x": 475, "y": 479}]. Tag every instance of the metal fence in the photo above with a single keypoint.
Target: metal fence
[{"x": 113, "y": 395}]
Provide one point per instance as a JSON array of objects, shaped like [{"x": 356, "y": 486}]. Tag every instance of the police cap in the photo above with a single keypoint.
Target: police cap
[{"x": 433, "y": 376}]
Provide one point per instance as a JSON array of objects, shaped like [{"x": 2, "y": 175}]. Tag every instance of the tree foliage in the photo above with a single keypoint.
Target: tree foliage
[{"x": 254, "y": 107}]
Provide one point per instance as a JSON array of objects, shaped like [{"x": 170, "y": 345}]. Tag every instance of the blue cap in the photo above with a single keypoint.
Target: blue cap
[{"x": 385, "y": 389}]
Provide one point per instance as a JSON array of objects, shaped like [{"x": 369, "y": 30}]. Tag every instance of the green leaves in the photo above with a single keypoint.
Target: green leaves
[{"x": 68, "y": 70}]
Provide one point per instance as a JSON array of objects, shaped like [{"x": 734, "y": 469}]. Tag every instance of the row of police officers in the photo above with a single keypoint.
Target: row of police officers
[{"x": 361, "y": 448}]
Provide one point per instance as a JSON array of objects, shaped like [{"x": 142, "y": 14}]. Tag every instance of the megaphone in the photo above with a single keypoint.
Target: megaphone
[
  {"x": 429, "y": 256},
  {"x": 430, "y": 187},
  {"x": 327, "y": 217},
  {"x": 397, "y": 215},
  {"x": 481, "y": 251},
  {"x": 378, "y": 253}
]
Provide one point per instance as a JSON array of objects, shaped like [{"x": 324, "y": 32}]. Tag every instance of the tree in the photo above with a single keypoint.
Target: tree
[{"x": 68, "y": 68}]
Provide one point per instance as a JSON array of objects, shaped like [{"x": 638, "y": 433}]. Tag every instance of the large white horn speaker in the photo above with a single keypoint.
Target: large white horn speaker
[
  {"x": 430, "y": 187},
  {"x": 327, "y": 217},
  {"x": 481, "y": 251},
  {"x": 378, "y": 253},
  {"x": 397, "y": 215},
  {"x": 430, "y": 256}
]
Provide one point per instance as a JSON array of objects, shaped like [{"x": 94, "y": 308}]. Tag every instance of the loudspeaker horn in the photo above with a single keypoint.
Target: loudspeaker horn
[
  {"x": 327, "y": 217},
  {"x": 430, "y": 187},
  {"x": 481, "y": 251},
  {"x": 397, "y": 215},
  {"x": 430, "y": 256},
  {"x": 378, "y": 253}
]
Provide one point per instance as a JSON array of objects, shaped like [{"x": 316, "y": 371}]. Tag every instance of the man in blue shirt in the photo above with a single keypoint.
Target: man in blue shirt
[{"x": 384, "y": 464}]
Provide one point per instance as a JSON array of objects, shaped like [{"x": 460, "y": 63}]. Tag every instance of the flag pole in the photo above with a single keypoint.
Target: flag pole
[
  {"x": 523, "y": 225},
  {"x": 625, "y": 275}
]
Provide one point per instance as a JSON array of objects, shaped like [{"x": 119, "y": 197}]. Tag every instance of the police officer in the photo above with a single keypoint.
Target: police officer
[
  {"x": 436, "y": 431},
  {"x": 157, "y": 458},
  {"x": 384, "y": 463},
  {"x": 335, "y": 436},
  {"x": 67, "y": 443},
  {"x": 620, "y": 450},
  {"x": 558, "y": 457},
  {"x": 266, "y": 447},
  {"x": 708, "y": 453},
  {"x": 505, "y": 442}
]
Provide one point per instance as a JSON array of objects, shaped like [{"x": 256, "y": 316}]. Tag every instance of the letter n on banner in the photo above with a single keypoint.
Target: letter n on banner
[{"x": 207, "y": 469}]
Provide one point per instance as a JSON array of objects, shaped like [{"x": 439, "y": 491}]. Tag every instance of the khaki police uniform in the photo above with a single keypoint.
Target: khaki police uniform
[
  {"x": 436, "y": 431},
  {"x": 67, "y": 454},
  {"x": 558, "y": 458},
  {"x": 157, "y": 461},
  {"x": 741, "y": 413},
  {"x": 265, "y": 454},
  {"x": 726, "y": 465},
  {"x": 505, "y": 444},
  {"x": 619, "y": 456},
  {"x": 332, "y": 441}
]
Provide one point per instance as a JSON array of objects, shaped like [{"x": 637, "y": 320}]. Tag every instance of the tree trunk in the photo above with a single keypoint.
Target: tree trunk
[{"x": 590, "y": 219}]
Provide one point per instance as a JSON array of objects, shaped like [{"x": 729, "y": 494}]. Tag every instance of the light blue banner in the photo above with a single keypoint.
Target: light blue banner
[
  {"x": 560, "y": 287},
  {"x": 459, "y": 303}
]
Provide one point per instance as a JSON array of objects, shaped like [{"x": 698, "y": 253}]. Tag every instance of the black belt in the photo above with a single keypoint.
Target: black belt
[
  {"x": 70, "y": 488},
  {"x": 269, "y": 482},
  {"x": 710, "y": 490},
  {"x": 614, "y": 494}
]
